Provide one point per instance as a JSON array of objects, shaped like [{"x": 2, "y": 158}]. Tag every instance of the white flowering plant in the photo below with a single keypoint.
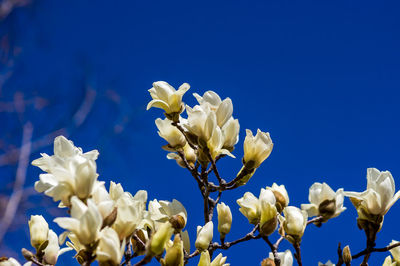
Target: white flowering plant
[{"x": 114, "y": 227}]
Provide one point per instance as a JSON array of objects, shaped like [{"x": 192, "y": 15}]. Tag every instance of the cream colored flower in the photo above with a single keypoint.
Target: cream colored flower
[
  {"x": 39, "y": 230},
  {"x": 268, "y": 215},
  {"x": 396, "y": 255},
  {"x": 250, "y": 207},
  {"x": 285, "y": 257},
  {"x": 204, "y": 236},
  {"x": 189, "y": 154},
  {"x": 13, "y": 262},
  {"x": 204, "y": 259},
  {"x": 69, "y": 172},
  {"x": 324, "y": 201},
  {"x": 52, "y": 250},
  {"x": 224, "y": 219},
  {"x": 230, "y": 132},
  {"x": 281, "y": 196},
  {"x": 219, "y": 261},
  {"x": 222, "y": 109},
  {"x": 85, "y": 221},
  {"x": 171, "y": 134},
  {"x": 293, "y": 223},
  {"x": 256, "y": 148},
  {"x": 110, "y": 249},
  {"x": 375, "y": 202},
  {"x": 167, "y": 98}
]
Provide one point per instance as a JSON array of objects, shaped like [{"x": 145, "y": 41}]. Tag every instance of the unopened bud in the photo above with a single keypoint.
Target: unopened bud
[
  {"x": 204, "y": 259},
  {"x": 347, "y": 255},
  {"x": 39, "y": 230},
  {"x": 224, "y": 219},
  {"x": 177, "y": 222},
  {"x": 204, "y": 236},
  {"x": 27, "y": 254}
]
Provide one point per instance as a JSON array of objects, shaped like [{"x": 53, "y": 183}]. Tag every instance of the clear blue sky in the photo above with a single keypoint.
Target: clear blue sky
[{"x": 321, "y": 76}]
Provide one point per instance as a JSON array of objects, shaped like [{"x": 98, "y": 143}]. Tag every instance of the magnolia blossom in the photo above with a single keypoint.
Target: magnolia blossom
[
  {"x": 204, "y": 236},
  {"x": 39, "y": 230},
  {"x": 256, "y": 148},
  {"x": 324, "y": 201},
  {"x": 281, "y": 196},
  {"x": 69, "y": 172},
  {"x": 219, "y": 261},
  {"x": 222, "y": 109},
  {"x": 171, "y": 134},
  {"x": 166, "y": 97},
  {"x": 380, "y": 195},
  {"x": 110, "y": 249},
  {"x": 268, "y": 219},
  {"x": 85, "y": 221},
  {"x": 250, "y": 207},
  {"x": 285, "y": 257},
  {"x": 224, "y": 219},
  {"x": 293, "y": 223},
  {"x": 230, "y": 132}
]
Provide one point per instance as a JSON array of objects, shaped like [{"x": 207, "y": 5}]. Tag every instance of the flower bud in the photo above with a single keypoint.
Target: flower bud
[
  {"x": 174, "y": 255},
  {"x": 347, "y": 255},
  {"x": 294, "y": 223},
  {"x": 85, "y": 178},
  {"x": 256, "y": 148},
  {"x": 224, "y": 219},
  {"x": 159, "y": 239},
  {"x": 250, "y": 207},
  {"x": 268, "y": 220},
  {"x": 39, "y": 230},
  {"x": 204, "y": 236},
  {"x": 171, "y": 134},
  {"x": 219, "y": 261}
]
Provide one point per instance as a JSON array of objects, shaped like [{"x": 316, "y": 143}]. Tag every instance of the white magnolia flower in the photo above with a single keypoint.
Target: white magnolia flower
[
  {"x": 256, "y": 148},
  {"x": 224, "y": 219},
  {"x": 170, "y": 133},
  {"x": 205, "y": 260},
  {"x": 378, "y": 198},
  {"x": 129, "y": 213},
  {"x": 293, "y": 223},
  {"x": 285, "y": 257},
  {"x": 69, "y": 172},
  {"x": 166, "y": 97},
  {"x": 268, "y": 215},
  {"x": 222, "y": 109},
  {"x": 201, "y": 122},
  {"x": 250, "y": 207},
  {"x": 175, "y": 212},
  {"x": 85, "y": 221},
  {"x": 204, "y": 236},
  {"x": 13, "y": 262},
  {"x": 324, "y": 201},
  {"x": 110, "y": 249},
  {"x": 281, "y": 196},
  {"x": 39, "y": 230},
  {"x": 52, "y": 250},
  {"x": 103, "y": 200},
  {"x": 230, "y": 132}
]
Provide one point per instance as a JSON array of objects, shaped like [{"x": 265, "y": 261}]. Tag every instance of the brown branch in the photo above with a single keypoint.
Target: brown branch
[
  {"x": 227, "y": 245},
  {"x": 144, "y": 261},
  {"x": 17, "y": 194},
  {"x": 315, "y": 220},
  {"x": 297, "y": 255},
  {"x": 365, "y": 251}
]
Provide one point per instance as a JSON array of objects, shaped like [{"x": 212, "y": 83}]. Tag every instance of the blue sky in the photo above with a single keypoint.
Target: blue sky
[{"x": 321, "y": 76}]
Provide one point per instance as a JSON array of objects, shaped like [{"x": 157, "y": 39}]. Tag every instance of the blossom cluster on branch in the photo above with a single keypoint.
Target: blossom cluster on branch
[{"x": 114, "y": 227}]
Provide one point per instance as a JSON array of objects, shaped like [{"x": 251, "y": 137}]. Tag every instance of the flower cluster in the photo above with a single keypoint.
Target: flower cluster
[{"x": 111, "y": 225}]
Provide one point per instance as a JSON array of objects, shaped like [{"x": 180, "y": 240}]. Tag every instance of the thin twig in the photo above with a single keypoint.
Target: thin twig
[
  {"x": 297, "y": 255},
  {"x": 144, "y": 261},
  {"x": 315, "y": 220},
  {"x": 17, "y": 194},
  {"x": 365, "y": 251},
  {"x": 227, "y": 245}
]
